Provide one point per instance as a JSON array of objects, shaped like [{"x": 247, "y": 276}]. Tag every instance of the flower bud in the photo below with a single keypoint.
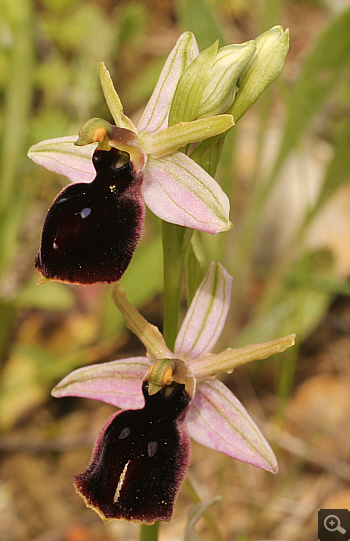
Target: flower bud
[
  {"x": 229, "y": 63},
  {"x": 264, "y": 67}
]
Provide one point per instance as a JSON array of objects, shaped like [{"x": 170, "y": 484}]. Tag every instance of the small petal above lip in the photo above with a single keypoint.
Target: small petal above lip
[
  {"x": 179, "y": 191},
  {"x": 210, "y": 364},
  {"x": 61, "y": 156},
  {"x": 206, "y": 315},
  {"x": 117, "y": 383},
  {"x": 218, "y": 420},
  {"x": 170, "y": 139}
]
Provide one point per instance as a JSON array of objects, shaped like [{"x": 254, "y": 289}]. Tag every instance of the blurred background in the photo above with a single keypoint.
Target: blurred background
[{"x": 285, "y": 167}]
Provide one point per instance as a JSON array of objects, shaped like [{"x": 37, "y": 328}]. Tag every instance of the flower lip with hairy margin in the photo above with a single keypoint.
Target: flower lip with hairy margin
[
  {"x": 92, "y": 223},
  {"x": 139, "y": 460},
  {"x": 214, "y": 416}
]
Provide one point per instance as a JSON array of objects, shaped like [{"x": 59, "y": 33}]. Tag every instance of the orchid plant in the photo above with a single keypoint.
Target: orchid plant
[{"x": 90, "y": 233}]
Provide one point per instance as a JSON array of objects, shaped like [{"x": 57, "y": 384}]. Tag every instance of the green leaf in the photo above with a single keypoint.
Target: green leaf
[
  {"x": 198, "y": 17},
  {"x": 18, "y": 97},
  {"x": 195, "y": 514},
  {"x": 296, "y": 304},
  {"x": 322, "y": 68}
]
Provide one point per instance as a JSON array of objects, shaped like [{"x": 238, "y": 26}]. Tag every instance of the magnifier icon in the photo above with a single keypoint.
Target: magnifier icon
[{"x": 332, "y": 524}]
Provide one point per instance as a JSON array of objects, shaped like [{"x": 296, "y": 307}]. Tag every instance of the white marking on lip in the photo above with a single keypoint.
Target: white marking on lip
[
  {"x": 124, "y": 433},
  {"x": 120, "y": 483},
  {"x": 152, "y": 448},
  {"x": 85, "y": 212}
]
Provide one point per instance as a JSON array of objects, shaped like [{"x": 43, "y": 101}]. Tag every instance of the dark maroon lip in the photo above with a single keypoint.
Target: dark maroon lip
[
  {"x": 92, "y": 229},
  {"x": 140, "y": 460}
]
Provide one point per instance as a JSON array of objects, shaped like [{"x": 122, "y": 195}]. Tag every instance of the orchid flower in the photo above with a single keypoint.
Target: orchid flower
[
  {"x": 94, "y": 226},
  {"x": 142, "y": 453}
]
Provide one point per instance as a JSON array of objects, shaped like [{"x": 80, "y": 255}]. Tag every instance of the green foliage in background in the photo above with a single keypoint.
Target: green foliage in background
[{"x": 50, "y": 86}]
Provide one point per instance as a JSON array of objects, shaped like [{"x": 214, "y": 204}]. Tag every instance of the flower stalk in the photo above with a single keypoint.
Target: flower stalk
[{"x": 175, "y": 243}]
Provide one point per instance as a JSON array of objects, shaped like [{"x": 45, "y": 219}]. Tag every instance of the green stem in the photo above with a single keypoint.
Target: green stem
[
  {"x": 175, "y": 242},
  {"x": 149, "y": 533}
]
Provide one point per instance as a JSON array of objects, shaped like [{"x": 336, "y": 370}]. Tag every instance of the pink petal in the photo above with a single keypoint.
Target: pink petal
[
  {"x": 117, "y": 382},
  {"x": 206, "y": 315},
  {"x": 61, "y": 156},
  {"x": 155, "y": 115},
  {"x": 218, "y": 420},
  {"x": 179, "y": 191}
]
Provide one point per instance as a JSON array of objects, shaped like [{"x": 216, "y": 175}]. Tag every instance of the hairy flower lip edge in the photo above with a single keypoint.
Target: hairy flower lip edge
[
  {"x": 174, "y": 449},
  {"x": 93, "y": 507}
]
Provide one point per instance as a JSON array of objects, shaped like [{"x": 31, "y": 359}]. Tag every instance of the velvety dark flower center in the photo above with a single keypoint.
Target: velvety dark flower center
[
  {"x": 92, "y": 229},
  {"x": 140, "y": 459}
]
